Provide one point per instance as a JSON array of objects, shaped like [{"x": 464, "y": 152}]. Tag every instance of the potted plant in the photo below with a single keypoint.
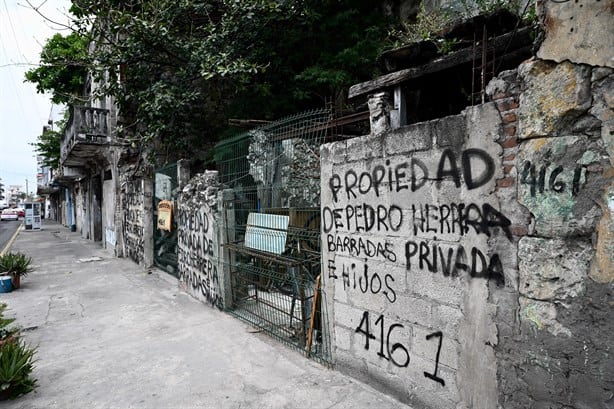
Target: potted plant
[{"x": 15, "y": 265}]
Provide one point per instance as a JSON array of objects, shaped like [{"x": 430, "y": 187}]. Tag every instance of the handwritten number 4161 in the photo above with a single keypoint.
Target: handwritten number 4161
[{"x": 387, "y": 351}]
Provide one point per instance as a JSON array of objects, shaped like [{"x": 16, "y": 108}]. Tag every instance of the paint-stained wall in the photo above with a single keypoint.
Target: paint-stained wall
[
  {"x": 134, "y": 204},
  {"x": 415, "y": 241},
  {"x": 198, "y": 244}
]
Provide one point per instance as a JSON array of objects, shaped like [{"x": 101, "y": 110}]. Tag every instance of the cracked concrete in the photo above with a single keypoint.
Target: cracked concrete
[{"x": 111, "y": 335}]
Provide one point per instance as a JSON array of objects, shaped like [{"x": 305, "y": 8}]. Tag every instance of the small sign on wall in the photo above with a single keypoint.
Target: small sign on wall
[{"x": 165, "y": 215}]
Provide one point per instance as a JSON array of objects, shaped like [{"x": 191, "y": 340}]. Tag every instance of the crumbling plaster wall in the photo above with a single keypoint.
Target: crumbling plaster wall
[
  {"x": 559, "y": 352},
  {"x": 136, "y": 193},
  {"x": 554, "y": 351},
  {"x": 198, "y": 244}
]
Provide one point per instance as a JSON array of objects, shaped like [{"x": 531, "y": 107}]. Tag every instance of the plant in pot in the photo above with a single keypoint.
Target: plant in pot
[{"x": 15, "y": 265}]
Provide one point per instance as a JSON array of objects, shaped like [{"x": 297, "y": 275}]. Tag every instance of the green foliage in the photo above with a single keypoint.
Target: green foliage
[
  {"x": 16, "y": 361},
  {"x": 329, "y": 46},
  {"x": 6, "y": 330},
  {"x": 63, "y": 68},
  {"x": 16, "y": 364},
  {"x": 15, "y": 263},
  {"x": 48, "y": 145},
  {"x": 428, "y": 25},
  {"x": 178, "y": 69},
  {"x": 472, "y": 7}
]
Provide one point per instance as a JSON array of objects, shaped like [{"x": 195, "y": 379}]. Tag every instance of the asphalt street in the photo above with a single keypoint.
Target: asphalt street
[{"x": 7, "y": 230}]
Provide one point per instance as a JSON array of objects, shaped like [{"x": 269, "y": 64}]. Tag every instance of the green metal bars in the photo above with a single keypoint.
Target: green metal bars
[
  {"x": 273, "y": 229},
  {"x": 165, "y": 242}
]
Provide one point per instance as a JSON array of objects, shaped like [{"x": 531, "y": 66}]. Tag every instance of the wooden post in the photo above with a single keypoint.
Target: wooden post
[{"x": 312, "y": 319}]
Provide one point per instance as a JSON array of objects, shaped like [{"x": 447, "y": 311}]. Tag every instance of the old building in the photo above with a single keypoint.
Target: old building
[{"x": 457, "y": 255}]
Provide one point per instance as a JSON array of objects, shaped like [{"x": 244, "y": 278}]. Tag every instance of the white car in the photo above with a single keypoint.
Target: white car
[{"x": 9, "y": 214}]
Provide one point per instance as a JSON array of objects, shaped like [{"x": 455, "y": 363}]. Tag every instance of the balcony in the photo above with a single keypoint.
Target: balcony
[
  {"x": 86, "y": 137},
  {"x": 67, "y": 174}
]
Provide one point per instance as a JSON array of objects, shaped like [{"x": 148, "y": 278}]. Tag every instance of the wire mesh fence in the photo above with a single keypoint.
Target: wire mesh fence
[{"x": 273, "y": 229}]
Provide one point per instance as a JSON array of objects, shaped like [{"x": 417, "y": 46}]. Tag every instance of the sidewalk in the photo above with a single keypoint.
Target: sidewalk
[{"x": 112, "y": 335}]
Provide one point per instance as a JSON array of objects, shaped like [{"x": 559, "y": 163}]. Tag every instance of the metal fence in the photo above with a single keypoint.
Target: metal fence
[
  {"x": 165, "y": 242},
  {"x": 273, "y": 229}
]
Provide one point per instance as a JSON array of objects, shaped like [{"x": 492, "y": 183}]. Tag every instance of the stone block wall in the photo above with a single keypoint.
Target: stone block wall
[
  {"x": 198, "y": 245},
  {"x": 469, "y": 261},
  {"x": 557, "y": 352}
]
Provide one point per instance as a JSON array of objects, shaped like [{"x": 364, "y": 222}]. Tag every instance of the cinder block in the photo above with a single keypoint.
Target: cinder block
[
  {"x": 364, "y": 148},
  {"x": 425, "y": 388},
  {"x": 416, "y": 137},
  {"x": 392, "y": 384},
  {"x": 450, "y": 131},
  {"x": 375, "y": 303},
  {"x": 411, "y": 310},
  {"x": 370, "y": 355},
  {"x": 340, "y": 294},
  {"x": 337, "y": 152},
  {"x": 447, "y": 319},
  {"x": 347, "y": 316},
  {"x": 436, "y": 286},
  {"x": 427, "y": 349},
  {"x": 343, "y": 338},
  {"x": 346, "y": 362}
]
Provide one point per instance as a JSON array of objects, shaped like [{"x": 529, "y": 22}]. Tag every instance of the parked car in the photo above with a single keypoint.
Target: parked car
[
  {"x": 20, "y": 211},
  {"x": 9, "y": 214}
]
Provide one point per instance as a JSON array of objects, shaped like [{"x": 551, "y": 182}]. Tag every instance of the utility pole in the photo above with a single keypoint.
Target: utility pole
[{"x": 26, "y": 189}]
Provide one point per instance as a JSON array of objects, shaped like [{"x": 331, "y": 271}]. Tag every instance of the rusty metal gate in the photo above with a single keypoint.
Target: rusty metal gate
[
  {"x": 165, "y": 242},
  {"x": 272, "y": 230}
]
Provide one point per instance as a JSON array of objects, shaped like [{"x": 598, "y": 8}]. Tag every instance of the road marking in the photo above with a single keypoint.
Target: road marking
[{"x": 10, "y": 242}]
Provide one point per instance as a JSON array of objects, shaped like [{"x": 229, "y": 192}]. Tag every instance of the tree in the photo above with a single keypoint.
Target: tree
[
  {"x": 48, "y": 145},
  {"x": 63, "y": 69},
  {"x": 178, "y": 69}
]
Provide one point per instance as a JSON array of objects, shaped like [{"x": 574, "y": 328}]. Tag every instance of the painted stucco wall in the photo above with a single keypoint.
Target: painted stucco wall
[{"x": 109, "y": 234}]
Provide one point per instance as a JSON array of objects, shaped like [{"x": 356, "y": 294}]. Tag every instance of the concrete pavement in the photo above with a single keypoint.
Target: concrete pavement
[{"x": 112, "y": 335}]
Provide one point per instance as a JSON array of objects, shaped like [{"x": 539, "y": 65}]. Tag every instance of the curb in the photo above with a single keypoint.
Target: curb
[{"x": 12, "y": 239}]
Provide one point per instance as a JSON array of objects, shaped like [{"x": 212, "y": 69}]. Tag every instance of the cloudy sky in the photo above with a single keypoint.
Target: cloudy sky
[{"x": 23, "y": 112}]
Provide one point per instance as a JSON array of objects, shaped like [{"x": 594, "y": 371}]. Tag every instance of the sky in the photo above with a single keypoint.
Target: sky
[{"x": 23, "y": 111}]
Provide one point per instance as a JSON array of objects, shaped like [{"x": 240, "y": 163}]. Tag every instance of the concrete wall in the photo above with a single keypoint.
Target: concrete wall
[
  {"x": 413, "y": 239},
  {"x": 469, "y": 261},
  {"x": 109, "y": 202},
  {"x": 198, "y": 244}
]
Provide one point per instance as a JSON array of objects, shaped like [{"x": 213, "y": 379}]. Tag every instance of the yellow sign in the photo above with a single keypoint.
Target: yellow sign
[{"x": 165, "y": 215}]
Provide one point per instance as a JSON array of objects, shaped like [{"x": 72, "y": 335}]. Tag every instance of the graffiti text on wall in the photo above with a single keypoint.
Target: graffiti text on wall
[
  {"x": 133, "y": 221},
  {"x": 546, "y": 178},
  {"x": 395, "y": 352},
  {"x": 413, "y": 175},
  {"x": 362, "y": 280},
  {"x": 452, "y": 218},
  {"x": 195, "y": 254}
]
